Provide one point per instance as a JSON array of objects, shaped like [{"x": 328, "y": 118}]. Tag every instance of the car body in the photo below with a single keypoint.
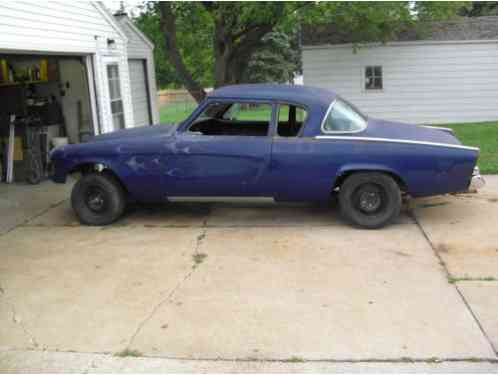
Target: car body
[{"x": 332, "y": 141}]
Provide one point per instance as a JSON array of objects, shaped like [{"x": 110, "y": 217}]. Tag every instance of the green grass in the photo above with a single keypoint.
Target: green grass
[
  {"x": 175, "y": 113},
  {"x": 483, "y": 135},
  {"x": 128, "y": 353}
]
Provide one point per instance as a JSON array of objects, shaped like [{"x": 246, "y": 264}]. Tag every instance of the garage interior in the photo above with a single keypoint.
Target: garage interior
[{"x": 45, "y": 103}]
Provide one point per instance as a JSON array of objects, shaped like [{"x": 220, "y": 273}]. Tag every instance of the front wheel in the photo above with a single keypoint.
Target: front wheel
[
  {"x": 98, "y": 199},
  {"x": 370, "y": 200}
]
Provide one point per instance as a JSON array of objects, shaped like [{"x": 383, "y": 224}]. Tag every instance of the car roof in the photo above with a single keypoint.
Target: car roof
[{"x": 306, "y": 95}]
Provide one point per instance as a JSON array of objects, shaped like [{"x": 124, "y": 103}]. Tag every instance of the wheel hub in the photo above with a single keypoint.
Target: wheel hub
[
  {"x": 370, "y": 201},
  {"x": 95, "y": 200}
]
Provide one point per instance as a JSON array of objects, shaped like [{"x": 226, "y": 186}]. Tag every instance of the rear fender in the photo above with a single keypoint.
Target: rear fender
[{"x": 348, "y": 169}]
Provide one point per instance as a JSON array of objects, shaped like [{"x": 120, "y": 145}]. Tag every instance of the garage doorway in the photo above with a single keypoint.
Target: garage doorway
[
  {"x": 140, "y": 92},
  {"x": 49, "y": 96}
]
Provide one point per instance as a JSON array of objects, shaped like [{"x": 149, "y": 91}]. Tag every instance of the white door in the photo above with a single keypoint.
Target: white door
[{"x": 139, "y": 92}]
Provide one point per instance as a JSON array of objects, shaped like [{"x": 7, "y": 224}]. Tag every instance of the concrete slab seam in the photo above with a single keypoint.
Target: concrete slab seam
[
  {"x": 26, "y": 222},
  {"x": 291, "y": 360},
  {"x": 448, "y": 275}
]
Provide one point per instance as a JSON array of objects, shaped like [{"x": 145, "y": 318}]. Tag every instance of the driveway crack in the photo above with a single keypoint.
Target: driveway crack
[
  {"x": 448, "y": 277},
  {"x": 17, "y": 319},
  {"x": 170, "y": 295}
]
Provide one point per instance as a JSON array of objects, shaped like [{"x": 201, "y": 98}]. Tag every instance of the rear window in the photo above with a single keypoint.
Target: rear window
[{"x": 343, "y": 118}]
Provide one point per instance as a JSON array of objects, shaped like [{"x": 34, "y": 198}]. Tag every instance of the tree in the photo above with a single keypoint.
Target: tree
[
  {"x": 194, "y": 42},
  {"x": 238, "y": 33},
  {"x": 277, "y": 60},
  {"x": 480, "y": 8}
]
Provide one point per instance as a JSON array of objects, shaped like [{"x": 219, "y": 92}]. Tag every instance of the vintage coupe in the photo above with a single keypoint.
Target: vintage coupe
[{"x": 288, "y": 143}]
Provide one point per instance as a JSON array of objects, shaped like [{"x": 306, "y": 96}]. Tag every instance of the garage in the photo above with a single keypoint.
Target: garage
[
  {"x": 139, "y": 90},
  {"x": 67, "y": 72},
  {"x": 141, "y": 64}
]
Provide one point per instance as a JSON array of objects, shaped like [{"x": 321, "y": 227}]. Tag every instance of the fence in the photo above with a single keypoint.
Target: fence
[{"x": 175, "y": 105}]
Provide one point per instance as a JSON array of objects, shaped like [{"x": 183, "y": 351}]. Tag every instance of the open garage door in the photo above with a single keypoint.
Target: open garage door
[{"x": 139, "y": 92}]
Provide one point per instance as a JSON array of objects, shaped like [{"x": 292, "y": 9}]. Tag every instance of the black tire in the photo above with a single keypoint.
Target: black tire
[
  {"x": 98, "y": 199},
  {"x": 370, "y": 200}
]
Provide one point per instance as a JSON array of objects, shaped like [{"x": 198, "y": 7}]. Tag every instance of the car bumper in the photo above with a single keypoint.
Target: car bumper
[{"x": 477, "y": 181}]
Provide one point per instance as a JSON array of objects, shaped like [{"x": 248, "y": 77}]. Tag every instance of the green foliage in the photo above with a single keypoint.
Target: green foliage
[
  {"x": 480, "y": 8},
  {"x": 278, "y": 59},
  {"x": 438, "y": 10}
]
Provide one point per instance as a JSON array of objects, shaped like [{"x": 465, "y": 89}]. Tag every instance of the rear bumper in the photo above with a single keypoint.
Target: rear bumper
[{"x": 477, "y": 181}]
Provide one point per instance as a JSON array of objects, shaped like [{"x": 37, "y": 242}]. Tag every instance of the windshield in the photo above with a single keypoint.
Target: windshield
[{"x": 343, "y": 117}]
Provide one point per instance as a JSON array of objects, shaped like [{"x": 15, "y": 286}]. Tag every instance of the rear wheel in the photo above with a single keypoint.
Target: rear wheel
[
  {"x": 370, "y": 200},
  {"x": 98, "y": 199}
]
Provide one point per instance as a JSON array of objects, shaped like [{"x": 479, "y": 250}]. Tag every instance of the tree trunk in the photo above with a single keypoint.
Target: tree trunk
[{"x": 168, "y": 29}]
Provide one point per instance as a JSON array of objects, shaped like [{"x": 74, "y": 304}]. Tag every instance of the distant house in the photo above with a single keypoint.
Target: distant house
[
  {"x": 446, "y": 72},
  {"x": 98, "y": 67}
]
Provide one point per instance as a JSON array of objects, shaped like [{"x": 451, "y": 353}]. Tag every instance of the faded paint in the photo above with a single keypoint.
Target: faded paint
[{"x": 155, "y": 162}]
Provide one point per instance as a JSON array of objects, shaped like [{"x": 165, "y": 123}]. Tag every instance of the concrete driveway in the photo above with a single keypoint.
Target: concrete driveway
[{"x": 239, "y": 287}]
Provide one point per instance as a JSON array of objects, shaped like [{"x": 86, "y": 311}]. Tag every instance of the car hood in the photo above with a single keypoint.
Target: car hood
[
  {"x": 398, "y": 130},
  {"x": 131, "y": 133}
]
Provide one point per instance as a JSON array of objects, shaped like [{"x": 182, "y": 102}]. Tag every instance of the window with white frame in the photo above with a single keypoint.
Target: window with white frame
[
  {"x": 116, "y": 100},
  {"x": 373, "y": 78}
]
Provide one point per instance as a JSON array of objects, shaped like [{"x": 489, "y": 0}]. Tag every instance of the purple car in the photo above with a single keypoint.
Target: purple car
[{"x": 287, "y": 143}]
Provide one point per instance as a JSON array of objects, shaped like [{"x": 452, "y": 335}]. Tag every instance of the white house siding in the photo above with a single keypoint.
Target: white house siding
[
  {"x": 423, "y": 82},
  {"x": 63, "y": 27}
]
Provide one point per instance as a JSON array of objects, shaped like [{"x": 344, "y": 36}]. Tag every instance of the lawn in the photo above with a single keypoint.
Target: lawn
[
  {"x": 483, "y": 135},
  {"x": 176, "y": 112}
]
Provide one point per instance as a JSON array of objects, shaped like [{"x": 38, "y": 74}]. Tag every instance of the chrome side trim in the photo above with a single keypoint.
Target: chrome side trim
[
  {"x": 439, "y": 128},
  {"x": 389, "y": 140},
  {"x": 221, "y": 199},
  {"x": 338, "y": 131}
]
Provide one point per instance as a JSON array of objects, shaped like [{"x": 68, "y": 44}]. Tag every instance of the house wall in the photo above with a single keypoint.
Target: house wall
[
  {"x": 424, "y": 82},
  {"x": 78, "y": 28}
]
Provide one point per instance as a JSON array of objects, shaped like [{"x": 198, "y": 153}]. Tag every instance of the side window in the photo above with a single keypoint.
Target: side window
[
  {"x": 343, "y": 118},
  {"x": 233, "y": 119},
  {"x": 291, "y": 119},
  {"x": 373, "y": 78},
  {"x": 248, "y": 112}
]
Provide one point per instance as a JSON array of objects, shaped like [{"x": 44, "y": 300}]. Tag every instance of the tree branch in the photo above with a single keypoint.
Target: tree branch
[{"x": 168, "y": 28}]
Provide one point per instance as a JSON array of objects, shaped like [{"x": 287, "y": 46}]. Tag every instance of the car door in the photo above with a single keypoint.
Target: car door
[
  {"x": 222, "y": 160},
  {"x": 298, "y": 165}
]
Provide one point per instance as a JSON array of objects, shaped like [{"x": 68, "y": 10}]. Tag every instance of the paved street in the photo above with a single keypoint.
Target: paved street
[{"x": 248, "y": 287}]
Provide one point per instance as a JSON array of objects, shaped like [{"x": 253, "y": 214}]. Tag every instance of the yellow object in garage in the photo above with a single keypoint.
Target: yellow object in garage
[
  {"x": 4, "y": 71},
  {"x": 18, "y": 153},
  {"x": 44, "y": 70},
  {"x": 18, "y": 148}
]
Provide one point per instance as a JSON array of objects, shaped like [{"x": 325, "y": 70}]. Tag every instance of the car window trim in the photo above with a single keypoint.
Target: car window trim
[
  {"x": 289, "y": 103},
  {"x": 329, "y": 109},
  {"x": 200, "y": 109}
]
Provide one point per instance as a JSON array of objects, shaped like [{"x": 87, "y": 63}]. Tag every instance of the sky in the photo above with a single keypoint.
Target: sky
[{"x": 131, "y": 6}]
